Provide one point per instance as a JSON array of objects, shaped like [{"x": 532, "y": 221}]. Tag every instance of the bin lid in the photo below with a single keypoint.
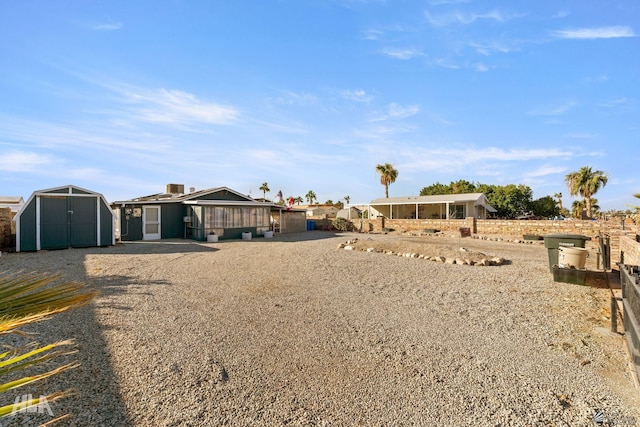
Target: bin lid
[{"x": 567, "y": 236}]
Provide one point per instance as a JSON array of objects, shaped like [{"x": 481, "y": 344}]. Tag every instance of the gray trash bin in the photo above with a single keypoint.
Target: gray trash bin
[{"x": 553, "y": 241}]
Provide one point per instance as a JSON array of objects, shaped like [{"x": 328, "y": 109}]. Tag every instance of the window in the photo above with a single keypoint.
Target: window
[
  {"x": 218, "y": 217},
  {"x": 456, "y": 211}
]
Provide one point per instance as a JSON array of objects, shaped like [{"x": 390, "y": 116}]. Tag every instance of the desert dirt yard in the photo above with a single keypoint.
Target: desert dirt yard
[{"x": 294, "y": 331}]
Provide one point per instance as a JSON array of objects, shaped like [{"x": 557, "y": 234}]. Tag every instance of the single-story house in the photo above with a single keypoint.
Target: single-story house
[
  {"x": 320, "y": 211},
  {"x": 449, "y": 206},
  {"x": 196, "y": 214},
  {"x": 12, "y": 202},
  {"x": 64, "y": 217},
  {"x": 349, "y": 213}
]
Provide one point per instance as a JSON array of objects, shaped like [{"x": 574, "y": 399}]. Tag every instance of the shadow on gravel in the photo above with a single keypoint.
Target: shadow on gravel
[
  {"x": 97, "y": 399},
  {"x": 289, "y": 237}
]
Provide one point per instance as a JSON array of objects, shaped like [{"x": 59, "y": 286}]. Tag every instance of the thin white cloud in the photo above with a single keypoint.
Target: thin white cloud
[
  {"x": 561, "y": 14},
  {"x": 479, "y": 66},
  {"x": 293, "y": 98},
  {"x": 602, "y": 78},
  {"x": 372, "y": 34},
  {"x": 399, "y": 112},
  {"x": 175, "y": 107},
  {"x": 111, "y": 26},
  {"x": 595, "y": 33},
  {"x": 395, "y": 111},
  {"x": 620, "y": 105},
  {"x": 444, "y": 159},
  {"x": 445, "y": 63},
  {"x": 553, "y": 111},
  {"x": 357, "y": 95},
  {"x": 108, "y": 25},
  {"x": 23, "y": 161},
  {"x": 487, "y": 49},
  {"x": 403, "y": 54},
  {"x": 581, "y": 135},
  {"x": 445, "y": 2},
  {"x": 464, "y": 18},
  {"x": 545, "y": 170},
  {"x": 620, "y": 102}
]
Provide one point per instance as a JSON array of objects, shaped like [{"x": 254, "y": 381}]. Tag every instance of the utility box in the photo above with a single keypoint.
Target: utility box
[{"x": 553, "y": 241}]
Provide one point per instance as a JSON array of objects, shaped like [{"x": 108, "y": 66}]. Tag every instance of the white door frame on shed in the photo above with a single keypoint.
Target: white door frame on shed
[{"x": 153, "y": 232}]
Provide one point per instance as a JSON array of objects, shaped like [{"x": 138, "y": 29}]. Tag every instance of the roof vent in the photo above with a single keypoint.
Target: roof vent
[{"x": 175, "y": 188}]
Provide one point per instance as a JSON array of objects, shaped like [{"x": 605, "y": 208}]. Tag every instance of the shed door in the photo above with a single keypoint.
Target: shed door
[
  {"x": 68, "y": 222},
  {"x": 151, "y": 222},
  {"x": 54, "y": 223},
  {"x": 83, "y": 222}
]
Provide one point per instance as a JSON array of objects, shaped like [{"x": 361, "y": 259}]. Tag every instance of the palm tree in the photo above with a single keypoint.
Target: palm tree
[
  {"x": 347, "y": 199},
  {"x": 298, "y": 200},
  {"x": 586, "y": 182},
  {"x": 310, "y": 196},
  {"x": 265, "y": 189},
  {"x": 388, "y": 175},
  {"x": 559, "y": 197},
  {"x": 636, "y": 214},
  {"x": 25, "y": 299}
]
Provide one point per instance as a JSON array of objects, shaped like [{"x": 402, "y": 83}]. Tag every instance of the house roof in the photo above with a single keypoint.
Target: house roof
[
  {"x": 195, "y": 198},
  {"x": 478, "y": 198},
  {"x": 11, "y": 200}
]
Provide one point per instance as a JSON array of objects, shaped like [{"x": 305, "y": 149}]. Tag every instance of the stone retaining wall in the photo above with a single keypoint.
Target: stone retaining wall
[
  {"x": 629, "y": 250},
  {"x": 615, "y": 228}
]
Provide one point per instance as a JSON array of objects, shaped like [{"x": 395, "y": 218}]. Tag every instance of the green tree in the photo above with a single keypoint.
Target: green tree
[
  {"x": 510, "y": 200},
  {"x": 310, "y": 196},
  {"x": 463, "y": 187},
  {"x": 265, "y": 189},
  {"x": 586, "y": 182},
  {"x": 299, "y": 200},
  {"x": 435, "y": 189},
  {"x": 347, "y": 199},
  {"x": 545, "y": 206},
  {"x": 388, "y": 175},
  {"x": 329, "y": 202}
]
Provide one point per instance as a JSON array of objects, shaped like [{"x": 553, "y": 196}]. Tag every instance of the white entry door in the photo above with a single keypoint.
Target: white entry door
[{"x": 150, "y": 222}]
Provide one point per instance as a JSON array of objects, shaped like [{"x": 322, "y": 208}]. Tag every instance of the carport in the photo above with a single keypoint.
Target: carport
[{"x": 64, "y": 217}]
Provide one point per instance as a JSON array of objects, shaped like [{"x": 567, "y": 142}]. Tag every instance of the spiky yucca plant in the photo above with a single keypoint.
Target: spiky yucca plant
[{"x": 26, "y": 298}]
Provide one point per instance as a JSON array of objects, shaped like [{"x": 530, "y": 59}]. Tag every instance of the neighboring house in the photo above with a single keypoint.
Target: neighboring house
[
  {"x": 64, "y": 217},
  {"x": 320, "y": 211},
  {"x": 450, "y": 206},
  {"x": 349, "y": 213},
  {"x": 194, "y": 215},
  {"x": 12, "y": 202}
]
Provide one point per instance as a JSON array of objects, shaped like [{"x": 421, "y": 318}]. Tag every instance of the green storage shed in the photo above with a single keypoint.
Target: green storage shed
[{"x": 64, "y": 217}]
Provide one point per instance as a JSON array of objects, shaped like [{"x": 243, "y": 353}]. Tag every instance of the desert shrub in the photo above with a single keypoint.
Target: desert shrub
[{"x": 341, "y": 224}]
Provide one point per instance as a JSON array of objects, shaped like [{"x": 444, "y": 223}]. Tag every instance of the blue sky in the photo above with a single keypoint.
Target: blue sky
[{"x": 123, "y": 97}]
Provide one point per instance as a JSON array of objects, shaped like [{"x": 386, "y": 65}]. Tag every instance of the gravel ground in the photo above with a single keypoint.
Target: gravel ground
[{"x": 293, "y": 331}]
